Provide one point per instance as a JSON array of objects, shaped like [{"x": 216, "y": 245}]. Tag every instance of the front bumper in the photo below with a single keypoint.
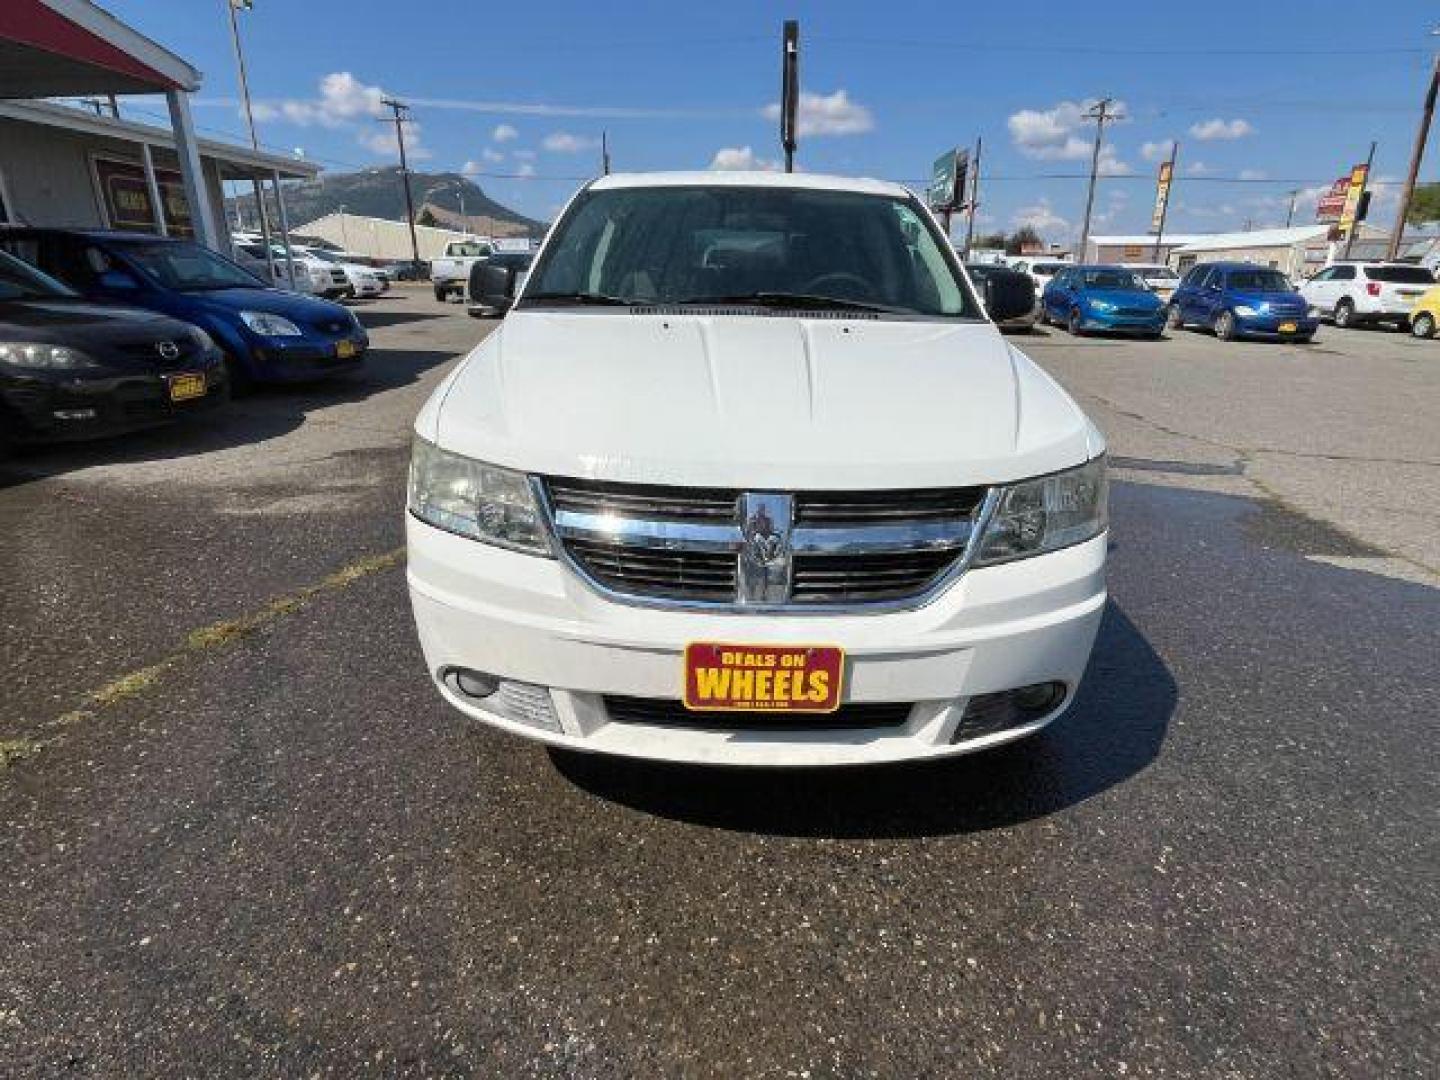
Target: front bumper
[
  {"x": 531, "y": 620},
  {"x": 1120, "y": 324},
  {"x": 307, "y": 358},
  {"x": 1268, "y": 326},
  {"x": 50, "y": 408}
]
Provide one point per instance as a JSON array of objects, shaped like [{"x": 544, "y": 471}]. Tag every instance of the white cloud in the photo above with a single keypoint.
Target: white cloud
[
  {"x": 1253, "y": 174},
  {"x": 562, "y": 142},
  {"x": 382, "y": 142},
  {"x": 1207, "y": 130},
  {"x": 523, "y": 155},
  {"x": 494, "y": 157},
  {"x": 504, "y": 133},
  {"x": 525, "y": 171},
  {"x": 741, "y": 159},
  {"x": 1157, "y": 151},
  {"x": 343, "y": 99},
  {"x": 1197, "y": 168},
  {"x": 1110, "y": 165},
  {"x": 827, "y": 114},
  {"x": 1042, "y": 218},
  {"x": 1055, "y": 134}
]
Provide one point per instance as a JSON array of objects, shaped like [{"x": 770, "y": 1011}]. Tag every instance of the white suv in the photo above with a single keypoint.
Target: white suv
[
  {"x": 723, "y": 489},
  {"x": 1356, "y": 293}
]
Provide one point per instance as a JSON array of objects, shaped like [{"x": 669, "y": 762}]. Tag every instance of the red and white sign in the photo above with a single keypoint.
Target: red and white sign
[{"x": 763, "y": 678}]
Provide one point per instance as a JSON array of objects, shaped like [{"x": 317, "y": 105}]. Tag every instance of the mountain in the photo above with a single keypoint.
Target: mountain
[{"x": 378, "y": 193}]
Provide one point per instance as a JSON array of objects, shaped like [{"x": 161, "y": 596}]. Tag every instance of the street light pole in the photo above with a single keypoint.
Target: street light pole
[
  {"x": 1416, "y": 155},
  {"x": 232, "y": 6},
  {"x": 1099, "y": 112}
]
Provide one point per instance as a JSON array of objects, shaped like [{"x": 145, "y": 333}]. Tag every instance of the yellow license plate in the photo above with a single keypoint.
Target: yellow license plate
[
  {"x": 344, "y": 350},
  {"x": 1287, "y": 328},
  {"x": 185, "y": 387}
]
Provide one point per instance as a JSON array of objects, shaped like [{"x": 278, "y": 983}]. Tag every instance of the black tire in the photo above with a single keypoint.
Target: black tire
[
  {"x": 1173, "y": 319},
  {"x": 1157, "y": 335},
  {"x": 241, "y": 382},
  {"x": 1423, "y": 325},
  {"x": 441, "y": 293},
  {"x": 1345, "y": 314},
  {"x": 1072, "y": 324},
  {"x": 1225, "y": 326},
  {"x": 1304, "y": 339}
]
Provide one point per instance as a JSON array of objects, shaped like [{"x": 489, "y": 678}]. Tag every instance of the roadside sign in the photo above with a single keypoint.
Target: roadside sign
[
  {"x": 1350, "y": 214},
  {"x": 1332, "y": 204},
  {"x": 947, "y": 181},
  {"x": 1162, "y": 195}
]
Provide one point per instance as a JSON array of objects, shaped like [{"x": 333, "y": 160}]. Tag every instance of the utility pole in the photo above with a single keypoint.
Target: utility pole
[
  {"x": 398, "y": 111},
  {"x": 789, "y": 90},
  {"x": 1355, "y": 225},
  {"x": 1099, "y": 112},
  {"x": 1423, "y": 134},
  {"x": 604, "y": 153},
  {"x": 1290, "y": 214},
  {"x": 974, "y": 198}
]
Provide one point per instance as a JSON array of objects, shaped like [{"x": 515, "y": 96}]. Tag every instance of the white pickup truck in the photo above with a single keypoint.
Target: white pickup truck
[
  {"x": 720, "y": 489},
  {"x": 450, "y": 273}
]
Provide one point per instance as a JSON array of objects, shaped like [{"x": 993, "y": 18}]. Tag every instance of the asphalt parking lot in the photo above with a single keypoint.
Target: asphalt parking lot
[{"x": 243, "y": 836}]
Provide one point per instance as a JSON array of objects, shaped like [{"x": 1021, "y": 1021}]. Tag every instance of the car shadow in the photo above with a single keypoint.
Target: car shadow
[
  {"x": 1113, "y": 731},
  {"x": 374, "y": 320},
  {"x": 265, "y": 413}
]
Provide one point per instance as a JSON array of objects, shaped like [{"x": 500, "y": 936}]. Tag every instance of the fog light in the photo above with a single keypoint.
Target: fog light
[
  {"x": 522, "y": 702},
  {"x": 474, "y": 684},
  {"x": 985, "y": 714}
]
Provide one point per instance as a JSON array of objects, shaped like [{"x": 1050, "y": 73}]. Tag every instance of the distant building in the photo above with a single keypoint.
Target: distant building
[
  {"x": 380, "y": 238},
  {"x": 1135, "y": 248},
  {"x": 1296, "y": 252}
]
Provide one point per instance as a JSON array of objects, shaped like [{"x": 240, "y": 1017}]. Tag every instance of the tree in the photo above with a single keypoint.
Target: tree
[
  {"x": 427, "y": 217},
  {"x": 990, "y": 242},
  {"x": 1425, "y": 206},
  {"x": 1021, "y": 238}
]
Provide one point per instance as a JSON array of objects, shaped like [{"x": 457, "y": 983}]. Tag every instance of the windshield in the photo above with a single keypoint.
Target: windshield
[
  {"x": 1156, "y": 273},
  {"x": 1116, "y": 278},
  {"x": 774, "y": 246},
  {"x": 19, "y": 281},
  {"x": 1259, "y": 280},
  {"x": 1402, "y": 275},
  {"x": 188, "y": 267}
]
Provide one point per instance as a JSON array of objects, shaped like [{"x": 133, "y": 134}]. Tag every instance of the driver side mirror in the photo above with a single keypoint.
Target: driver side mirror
[{"x": 1008, "y": 296}]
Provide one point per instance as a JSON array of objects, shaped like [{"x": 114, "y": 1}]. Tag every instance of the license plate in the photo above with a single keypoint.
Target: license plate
[
  {"x": 185, "y": 387},
  {"x": 344, "y": 350},
  {"x": 1288, "y": 328},
  {"x": 763, "y": 678}
]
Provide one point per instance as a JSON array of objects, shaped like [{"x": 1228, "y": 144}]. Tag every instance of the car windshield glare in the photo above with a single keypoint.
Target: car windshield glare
[
  {"x": 188, "y": 267},
  {"x": 1259, "y": 280},
  {"x": 1113, "y": 279},
  {"x": 733, "y": 244},
  {"x": 18, "y": 281}
]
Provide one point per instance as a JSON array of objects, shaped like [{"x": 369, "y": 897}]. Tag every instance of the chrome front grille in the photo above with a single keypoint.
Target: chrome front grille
[{"x": 749, "y": 551}]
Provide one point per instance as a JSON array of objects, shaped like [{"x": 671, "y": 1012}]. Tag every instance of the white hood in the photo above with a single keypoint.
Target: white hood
[{"x": 757, "y": 402}]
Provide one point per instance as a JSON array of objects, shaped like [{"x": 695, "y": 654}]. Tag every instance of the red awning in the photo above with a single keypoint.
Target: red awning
[{"x": 45, "y": 54}]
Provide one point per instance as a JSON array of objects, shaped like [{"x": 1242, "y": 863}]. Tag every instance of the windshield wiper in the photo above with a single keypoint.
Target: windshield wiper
[
  {"x": 598, "y": 299},
  {"x": 795, "y": 300}
]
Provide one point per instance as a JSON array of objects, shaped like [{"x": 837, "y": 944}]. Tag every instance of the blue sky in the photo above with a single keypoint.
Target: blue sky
[{"x": 1263, "y": 97}]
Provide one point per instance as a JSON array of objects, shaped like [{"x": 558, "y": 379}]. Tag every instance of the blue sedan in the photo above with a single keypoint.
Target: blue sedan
[
  {"x": 1112, "y": 298},
  {"x": 265, "y": 335}
]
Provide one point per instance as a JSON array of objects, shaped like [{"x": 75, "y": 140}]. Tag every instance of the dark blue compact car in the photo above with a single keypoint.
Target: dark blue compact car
[
  {"x": 1085, "y": 298},
  {"x": 1240, "y": 300},
  {"x": 265, "y": 334}
]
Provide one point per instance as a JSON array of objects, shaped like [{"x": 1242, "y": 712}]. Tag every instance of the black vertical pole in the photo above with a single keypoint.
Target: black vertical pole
[
  {"x": 789, "y": 90},
  {"x": 974, "y": 198}
]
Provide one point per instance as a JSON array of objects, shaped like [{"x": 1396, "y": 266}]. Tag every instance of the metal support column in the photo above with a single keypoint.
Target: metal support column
[
  {"x": 284, "y": 227},
  {"x": 187, "y": 149},
  {"x": 265, "y": 237},
  {"x": 154, "y": 187}
]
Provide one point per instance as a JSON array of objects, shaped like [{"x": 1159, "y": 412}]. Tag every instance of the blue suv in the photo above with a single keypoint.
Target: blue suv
[
  {"x": 1241, "y": 300},
  {"x": 265, "y": 334}
]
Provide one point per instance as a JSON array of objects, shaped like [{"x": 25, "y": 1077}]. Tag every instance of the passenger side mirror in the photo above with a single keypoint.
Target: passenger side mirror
[
  {"x": 118, "y": 280},
  {"x": 1009, "y": 297}
]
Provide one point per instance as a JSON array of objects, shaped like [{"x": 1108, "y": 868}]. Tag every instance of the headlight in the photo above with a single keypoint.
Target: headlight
[
  {"x": 1245, "y": 311},
  {"x": 1045, "y": 514},
  {"x": 1102, "y": 305},
  {"x": 267, "y": 325},
  {"x": 473, "y": 499},
  {"x": 47, "y": 357}
]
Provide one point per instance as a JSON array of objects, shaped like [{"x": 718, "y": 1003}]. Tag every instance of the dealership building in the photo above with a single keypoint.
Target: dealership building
[
  {"x": 62, "y": 165},
  {"x": 1136, "y": 248},
  {"x": 1296, "y": 252}
]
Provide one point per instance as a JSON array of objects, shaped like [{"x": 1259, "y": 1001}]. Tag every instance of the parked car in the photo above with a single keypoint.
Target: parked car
[
  {"x": 1161, "y": 279},
  {"x": 1241, "y": 300},
  {"x": 984, "y": 273},
  {"x": 494, "y": 283},
  {"x": 362, "y": 280},
  {"x": 1041, "y": 270},
  {"x": 720, "y": 489},
  {"x": 1425, "y": 315},
  {"x": 73, "y": 369},
  {"x": 1358, "y": 293},
  {"x": 313, "y": 276},
  {"x": 450, "y": 273},
  {"x": 1100, "y": 297},
  {"x": 265, "y": 334}
]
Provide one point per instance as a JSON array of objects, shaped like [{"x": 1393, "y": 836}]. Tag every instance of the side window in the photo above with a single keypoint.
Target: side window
[
  {"x": 1323, "y": 275},
  {"x": 23, "y": 248},
  {"x": 1342, "y": 273}
]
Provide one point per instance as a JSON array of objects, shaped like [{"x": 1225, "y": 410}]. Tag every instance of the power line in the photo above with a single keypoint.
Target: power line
[{"x": 1029, "y": 47}]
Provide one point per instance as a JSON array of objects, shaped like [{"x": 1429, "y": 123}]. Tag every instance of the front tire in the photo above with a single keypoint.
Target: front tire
[
  {"x": 1345, "y": 314},
  {"x": 1072, "y": 324},
  {"x": 1423, "y": 325},
  {"x": 1173, "y": 319},
  {"x": 441, "y": 293},
  {"x": 1225, "y": 326}
]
